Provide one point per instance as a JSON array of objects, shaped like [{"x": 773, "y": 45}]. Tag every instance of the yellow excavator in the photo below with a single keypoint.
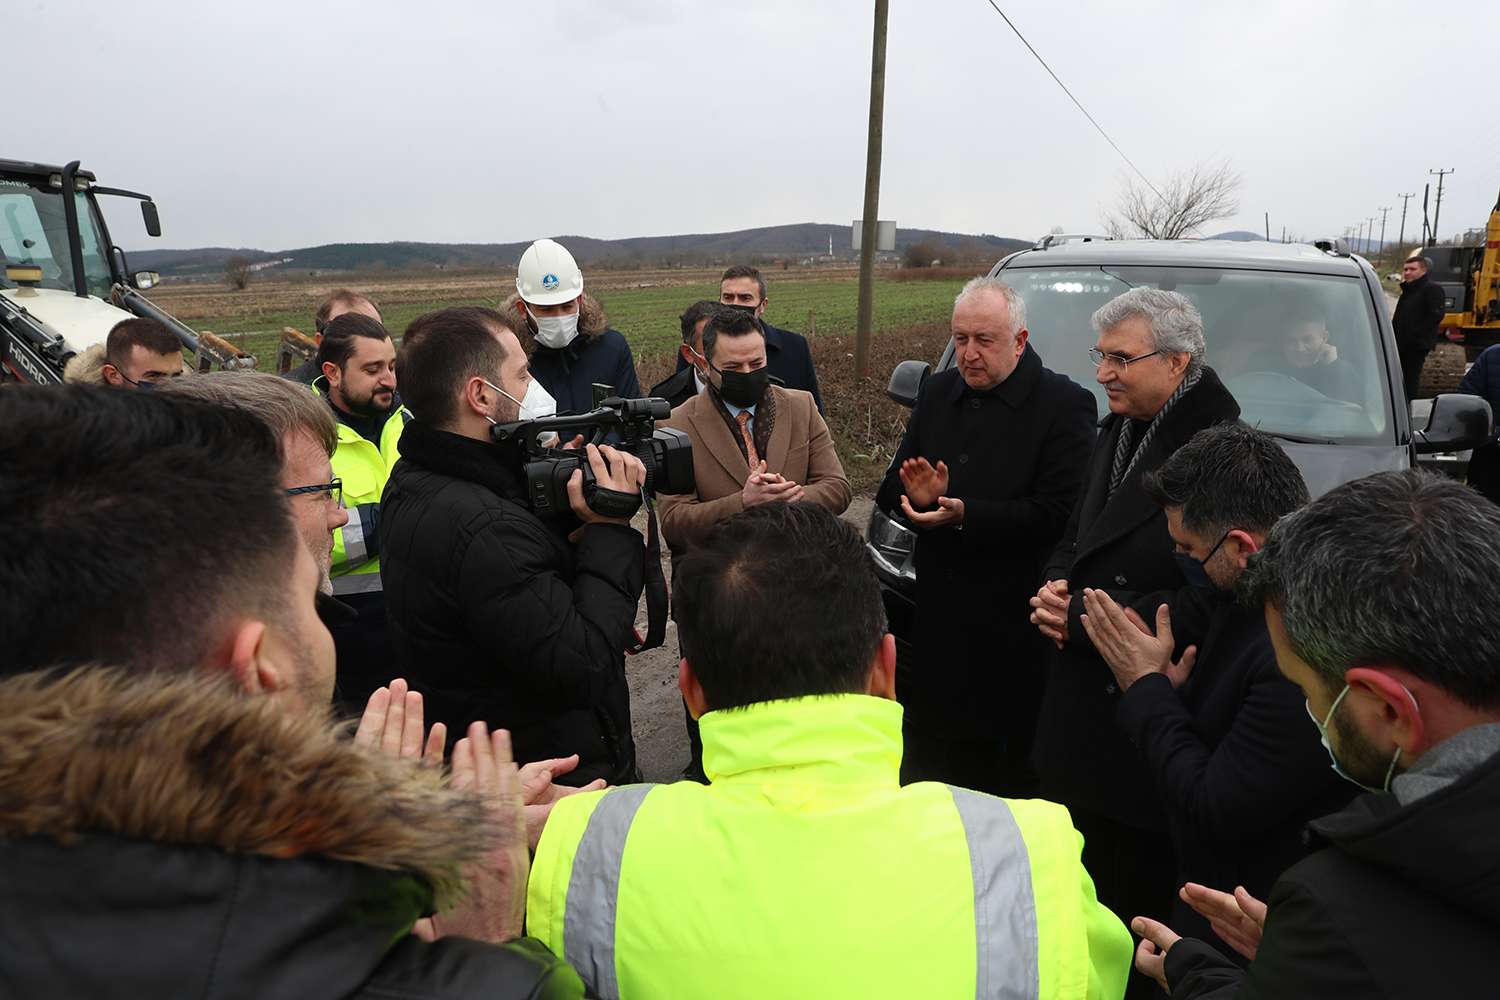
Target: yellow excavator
[{"x": 1470, "y": 279}]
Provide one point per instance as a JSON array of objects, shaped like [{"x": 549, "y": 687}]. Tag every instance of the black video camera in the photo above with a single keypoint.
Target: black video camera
[{"x": 666, "y": 453}]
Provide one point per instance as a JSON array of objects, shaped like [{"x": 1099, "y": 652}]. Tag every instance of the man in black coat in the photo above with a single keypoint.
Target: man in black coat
[
  {"x": 1231, "y": 753},
  {"x": 495, "y": 614},
  {"x": 692, "y": 369},
  {"x": 1419, "y": 311},
  {"x": 1150, "y": 362},
  {"x": 1369, "y": 598},
  {"x": 987, "y": 473},
  {"x": 787, "y": 354}
]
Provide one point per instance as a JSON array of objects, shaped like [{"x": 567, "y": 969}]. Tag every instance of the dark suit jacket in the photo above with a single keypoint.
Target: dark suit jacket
[
  {"x": 1235, "y": 761},
  {"x": 1118, "y": 544},
  {"x": 788, "y": 357},
  {"x": 677, "y": 388},
  {"x": 799, "y": 448},
  {"x": 1015, "y": 457}
]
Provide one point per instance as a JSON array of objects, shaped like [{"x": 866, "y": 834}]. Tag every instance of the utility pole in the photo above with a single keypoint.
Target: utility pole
[
  {"x": 1371, "y": 236},
  {"x": 1381, "y": 258},
  {"x": 1426, "y": 229},
  {"x": 1359, "y": 236},
  {"x": 1401, "y": 239},
  {"x": 872, "y": 197},
  {"x": 1438, "y": 208}
]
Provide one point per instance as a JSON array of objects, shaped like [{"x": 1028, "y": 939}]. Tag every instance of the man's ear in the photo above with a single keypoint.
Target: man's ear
[
  {"x": 881, "y": 682},
  {"x": 686, "y": 350},
  {"x": 765, "y": 301},
  {"x": 1396, "y": 706},
  {"x": 318, "y": 339},
  {"x": 692, "y": 691},
  {"x": 1239, "y": 545},
  {"x": 331, "y": 373},
  {"x": 475, "y": 392},
  {"x": 252, "y": 671},
  {"x": 112, "y": 375}
]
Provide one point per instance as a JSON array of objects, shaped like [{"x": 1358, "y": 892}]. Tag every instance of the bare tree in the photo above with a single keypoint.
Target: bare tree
[
  {"x": 1186, "y": 200},
  {"x": 238, "y": 273}
]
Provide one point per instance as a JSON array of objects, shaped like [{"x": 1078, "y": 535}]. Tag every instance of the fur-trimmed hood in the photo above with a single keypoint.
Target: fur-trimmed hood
[
  {"x": 86, "y": 368},
  {"x": 592, "y": 322},
  {"x": 191, "y": 761}
]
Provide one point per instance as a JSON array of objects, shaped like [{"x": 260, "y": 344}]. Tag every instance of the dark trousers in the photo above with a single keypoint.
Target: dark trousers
[
  {"x": 1134, "y": 873},
  {"x": 366, "y": 658},
  {"x": 983, "y": 765},
  {"x": 1412, "y": 360}
]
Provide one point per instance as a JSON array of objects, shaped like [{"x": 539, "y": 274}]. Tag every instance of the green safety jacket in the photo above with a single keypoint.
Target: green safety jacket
[
  {"x": 364, "y": 469},
  {"x": 805, "y": 870}
]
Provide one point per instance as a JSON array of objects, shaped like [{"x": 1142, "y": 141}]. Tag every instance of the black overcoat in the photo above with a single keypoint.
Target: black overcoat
[
  {"x": 1015, "y": 457},
  {"x": 1118, "y": 544}
]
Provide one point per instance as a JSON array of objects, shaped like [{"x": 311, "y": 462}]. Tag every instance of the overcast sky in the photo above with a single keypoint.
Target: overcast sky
[{"x": 276, "y": 125}]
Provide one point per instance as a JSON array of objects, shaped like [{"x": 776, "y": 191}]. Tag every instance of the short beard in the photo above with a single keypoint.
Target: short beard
[{"x": 1358, "y": 756}]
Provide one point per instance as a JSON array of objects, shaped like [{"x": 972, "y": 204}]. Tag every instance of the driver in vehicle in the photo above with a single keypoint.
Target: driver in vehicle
[{"x": 1305, "y": 354}]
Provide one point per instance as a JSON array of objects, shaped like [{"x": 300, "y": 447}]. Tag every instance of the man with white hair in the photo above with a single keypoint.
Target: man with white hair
[
  {"x": 1150, "y": 361},
  {"x": 987, "y": 473}
]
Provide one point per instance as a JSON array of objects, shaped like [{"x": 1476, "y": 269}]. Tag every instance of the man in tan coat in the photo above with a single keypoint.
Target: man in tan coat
[{"x": 753, "y": 442}]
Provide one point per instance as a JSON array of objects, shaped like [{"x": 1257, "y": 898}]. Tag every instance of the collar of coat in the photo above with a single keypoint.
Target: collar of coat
[
  {"x": 190, "y": 760},
  {"x": 492, "y": 466}
]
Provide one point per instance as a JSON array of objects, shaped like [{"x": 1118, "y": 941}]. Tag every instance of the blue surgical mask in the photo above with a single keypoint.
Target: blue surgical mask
[
  {"x": 1193, "y": 569},
  {"x": 1339, "y": 768}
]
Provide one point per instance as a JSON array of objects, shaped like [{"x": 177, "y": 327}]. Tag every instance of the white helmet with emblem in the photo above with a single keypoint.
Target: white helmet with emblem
[{"x": 548, "y": 275}]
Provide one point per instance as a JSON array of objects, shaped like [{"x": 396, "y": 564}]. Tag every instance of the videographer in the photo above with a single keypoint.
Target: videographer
[{"x": 497, "y": 615}]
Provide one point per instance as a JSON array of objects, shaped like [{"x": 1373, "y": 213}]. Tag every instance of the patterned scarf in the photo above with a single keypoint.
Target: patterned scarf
[{"x": 1125, "y": 455}]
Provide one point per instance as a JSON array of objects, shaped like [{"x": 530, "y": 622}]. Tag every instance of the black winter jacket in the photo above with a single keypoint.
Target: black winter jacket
[
  {"x": 1015, "y": 456},
  {"x": 173, "y": 840},
  {"x": 1484, "y": 380},
  {"x": 1405, "y": 902},
  {"x": 1235, "y": 762},
  {"x": 1418, "y": 314},
  {"x": 1118, "y": 544},
  {"x": 569, "y": 373},
  {"x": 496, "y": 616}
]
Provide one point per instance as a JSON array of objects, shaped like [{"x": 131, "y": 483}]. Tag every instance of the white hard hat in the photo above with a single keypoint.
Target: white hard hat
[{"x": 548, "y": 275}]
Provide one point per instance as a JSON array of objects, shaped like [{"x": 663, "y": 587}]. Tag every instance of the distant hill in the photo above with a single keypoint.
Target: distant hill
[
  {"x": 801, "y": 241},
  {"x": 1239, "y": 236}
]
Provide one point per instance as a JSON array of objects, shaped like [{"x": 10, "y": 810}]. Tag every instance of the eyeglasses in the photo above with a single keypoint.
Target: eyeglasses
[
  {"x": 331, "y": 491},
  {"x": 1114, "y": 361}
]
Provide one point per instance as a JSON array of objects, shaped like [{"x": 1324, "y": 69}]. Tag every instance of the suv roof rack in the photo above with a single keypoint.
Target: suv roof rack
[
  {"x": 1335, "y": 245},
  {"x": 1058, "y": 239}
]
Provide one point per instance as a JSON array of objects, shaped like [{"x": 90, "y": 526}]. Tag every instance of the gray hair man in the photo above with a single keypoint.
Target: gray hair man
[
  {"x": 1150, "y": 357},
  {"x": 1370, "y": 597},
  {"x": 991, "y": 462}
]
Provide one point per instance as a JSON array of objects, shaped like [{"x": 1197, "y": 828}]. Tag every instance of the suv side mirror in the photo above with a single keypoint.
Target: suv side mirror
[
  {"x": 906, "y": 380},
  {"x": 145, "y": 279},
  {"x": 1458, "y": 421},
  {"x": 149, "y": 216}
]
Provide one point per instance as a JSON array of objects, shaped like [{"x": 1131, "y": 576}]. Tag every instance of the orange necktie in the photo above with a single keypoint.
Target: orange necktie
[{"x": 744, "y": 421}]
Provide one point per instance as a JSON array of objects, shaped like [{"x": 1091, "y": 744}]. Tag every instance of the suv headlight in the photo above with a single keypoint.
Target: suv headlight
[{"x": 890, "y": 544}]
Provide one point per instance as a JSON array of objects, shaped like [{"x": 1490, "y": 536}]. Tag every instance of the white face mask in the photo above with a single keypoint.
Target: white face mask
[
  {"x": 537, "y": 402},
  {"x": 556, "y": 331}
]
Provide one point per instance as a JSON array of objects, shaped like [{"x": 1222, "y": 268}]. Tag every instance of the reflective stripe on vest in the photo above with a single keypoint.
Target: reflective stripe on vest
[
  {"x": 1004, "y": 909},
  {"x": 594, "y": 887}
]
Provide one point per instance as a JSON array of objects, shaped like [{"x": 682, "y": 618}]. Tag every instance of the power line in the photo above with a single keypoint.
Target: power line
[{"x": 1075, "y": 100}]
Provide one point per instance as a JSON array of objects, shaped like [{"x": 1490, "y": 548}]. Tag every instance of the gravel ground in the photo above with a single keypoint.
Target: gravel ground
[{"x": 655, "y": 704}]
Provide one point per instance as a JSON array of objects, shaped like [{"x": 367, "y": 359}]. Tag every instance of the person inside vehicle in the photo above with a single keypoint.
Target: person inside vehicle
[{"x": 1303, "y": 352}]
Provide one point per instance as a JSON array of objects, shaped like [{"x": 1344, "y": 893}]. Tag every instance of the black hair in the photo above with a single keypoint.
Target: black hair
[
  {"x": 337, "y": 344},
  {"x": 701, "y": 309},
  {"x": 152, "y": 334},
  {"x": 1228, "y": 476},
  {"x": 745, "y": 271},
  {"x": 441, "y": 350},
  {"x": 1396, "y": 569},
  {"x": 136, "y": 525},
  {"x": 780, "y": 601},
  {"x": 727, "y": 323}
]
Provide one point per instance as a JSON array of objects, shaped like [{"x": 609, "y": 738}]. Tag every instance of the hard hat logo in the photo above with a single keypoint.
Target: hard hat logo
[{"x": 547, "y": 275}]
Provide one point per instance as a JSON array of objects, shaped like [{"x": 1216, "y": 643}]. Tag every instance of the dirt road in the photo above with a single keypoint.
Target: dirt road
[{"x": 655, "y": 705}]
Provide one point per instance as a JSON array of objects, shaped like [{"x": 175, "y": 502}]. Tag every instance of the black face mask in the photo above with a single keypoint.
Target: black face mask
[
  {"x": 743, "y": 389},
  {"x": 747, "y": 310}
]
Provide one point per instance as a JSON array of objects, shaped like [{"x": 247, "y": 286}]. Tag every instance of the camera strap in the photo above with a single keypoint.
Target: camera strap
[{"x": 656, "y": 586}]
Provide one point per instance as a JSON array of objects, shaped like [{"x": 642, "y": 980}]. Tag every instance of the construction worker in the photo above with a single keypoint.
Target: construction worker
[
  {"x": 566, "y": 334},
  {"x": 358, "y": 362},
  {"x": 805, "y": 869}
]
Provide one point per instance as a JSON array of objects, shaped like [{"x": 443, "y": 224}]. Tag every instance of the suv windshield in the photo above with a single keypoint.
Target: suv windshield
[
  {"x": 34, "y": 230},
  {"x": 1299, "y": 351}
]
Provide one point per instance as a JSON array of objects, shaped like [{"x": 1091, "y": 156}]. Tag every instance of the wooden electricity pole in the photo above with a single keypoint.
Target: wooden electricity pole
[{"x": 872, "y": 198}]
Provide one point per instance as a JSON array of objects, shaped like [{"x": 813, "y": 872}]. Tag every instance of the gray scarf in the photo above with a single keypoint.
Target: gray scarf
[{"x": 1125, "y": 455}]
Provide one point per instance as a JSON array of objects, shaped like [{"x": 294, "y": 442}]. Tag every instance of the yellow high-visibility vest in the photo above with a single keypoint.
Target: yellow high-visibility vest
[{"x": 805, "y": 870}]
